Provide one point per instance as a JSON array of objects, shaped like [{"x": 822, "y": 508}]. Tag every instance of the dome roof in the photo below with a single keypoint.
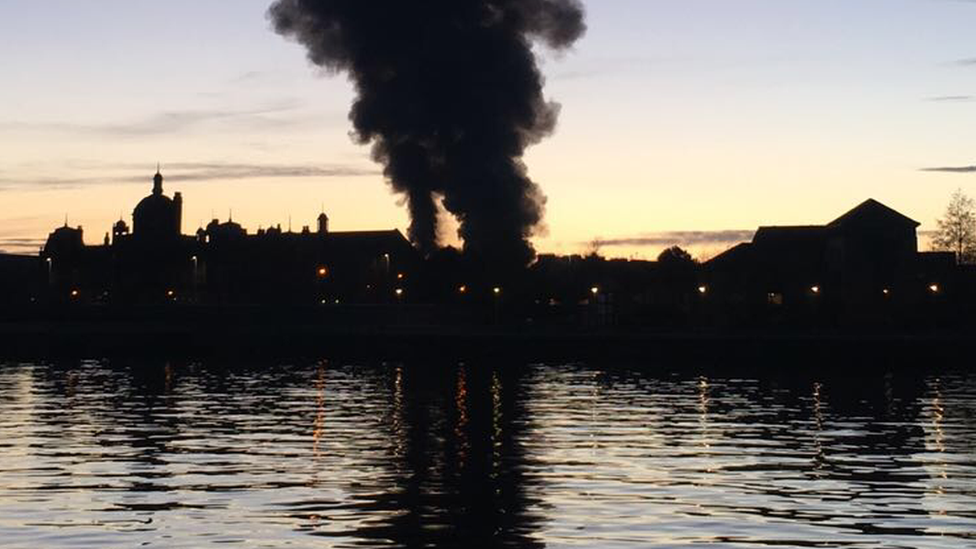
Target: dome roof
[
  {"x": 153, "y": 202},
  {"x": 156, "y": 214}
]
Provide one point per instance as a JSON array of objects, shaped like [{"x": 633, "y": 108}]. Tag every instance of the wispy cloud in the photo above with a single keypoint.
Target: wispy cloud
[
  {"x": 952, "y": 169},
  {"x": 679, "y": 238},
  {"x": 235, "y": 171},
  {"x": 189, "y": 172},
  {"x": 951, "y": 98},
  {"x": 967, "y": 62},
  {"x": 249, "y": 76},
  {"x": 19, "y": 245},
  {"x": 284, "y": 114}
]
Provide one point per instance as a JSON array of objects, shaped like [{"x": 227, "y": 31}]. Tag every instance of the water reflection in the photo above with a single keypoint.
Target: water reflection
[
  {"x": 456, "y": 472},
  {"x": 174, "y": 454}
]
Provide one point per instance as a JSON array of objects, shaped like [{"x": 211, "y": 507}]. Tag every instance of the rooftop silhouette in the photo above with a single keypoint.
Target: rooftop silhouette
[{"x": 861, "y": 269}]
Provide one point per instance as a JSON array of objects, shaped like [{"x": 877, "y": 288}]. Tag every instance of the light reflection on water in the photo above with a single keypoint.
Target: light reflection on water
[{"x": 100, "y": 454}]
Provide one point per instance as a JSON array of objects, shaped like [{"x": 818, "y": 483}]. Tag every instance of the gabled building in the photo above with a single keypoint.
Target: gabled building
[{"x": 863, "y": 262}]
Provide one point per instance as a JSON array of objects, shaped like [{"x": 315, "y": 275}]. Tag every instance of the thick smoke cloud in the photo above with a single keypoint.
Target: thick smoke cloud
[{"x": 450, "y": 95}]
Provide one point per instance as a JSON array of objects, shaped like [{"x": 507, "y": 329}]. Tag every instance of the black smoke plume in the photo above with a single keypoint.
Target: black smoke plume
[{"x": 449, "y": 95}]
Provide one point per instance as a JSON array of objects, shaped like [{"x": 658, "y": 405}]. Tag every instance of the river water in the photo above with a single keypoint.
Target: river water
[{"x": 330, "y": 454}]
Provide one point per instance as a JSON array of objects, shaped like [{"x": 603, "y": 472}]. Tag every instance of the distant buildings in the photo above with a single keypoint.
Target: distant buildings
[
  {"x": 222, "y": 263},
  {"x": 862, "y": 266}
]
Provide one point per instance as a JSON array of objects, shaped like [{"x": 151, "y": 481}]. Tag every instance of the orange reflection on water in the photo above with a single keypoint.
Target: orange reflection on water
[{"x": 461, "y": 405}]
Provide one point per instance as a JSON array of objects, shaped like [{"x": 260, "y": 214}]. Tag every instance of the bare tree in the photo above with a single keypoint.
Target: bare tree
[
  {"x": 593, "y": 250},
  {"x": 957, "y": 228}
]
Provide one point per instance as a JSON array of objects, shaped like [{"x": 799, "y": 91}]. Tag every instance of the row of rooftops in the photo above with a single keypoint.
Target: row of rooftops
[
  {"x": 870, "y": 215},
  {"x": 157, "y": 216}
]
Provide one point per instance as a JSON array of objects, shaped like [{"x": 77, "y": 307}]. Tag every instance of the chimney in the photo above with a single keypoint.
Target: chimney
[{"x": 178, "y": 203}]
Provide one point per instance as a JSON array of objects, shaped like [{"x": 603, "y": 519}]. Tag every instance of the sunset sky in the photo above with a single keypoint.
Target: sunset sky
[{"x": 683, "y": 121}]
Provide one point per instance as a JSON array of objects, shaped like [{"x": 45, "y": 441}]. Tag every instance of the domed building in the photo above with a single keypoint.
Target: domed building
[
  {"x": 157, "y": 216},
  {"x": 222, "y": 263}
]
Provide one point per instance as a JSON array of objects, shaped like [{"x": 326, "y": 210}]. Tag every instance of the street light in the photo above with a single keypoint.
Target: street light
[
  {"x": 703, "y": 290},
  {"x": 934, "y": 288},
  {"x": 462, "y": 289},
  {"x": 196, "y": 275},
  {"x": 497, "y": 291},
  {"x": 322, "y": 272},
  {"x": 815, "y": 289},
  {"x": 594, "y": 290}
]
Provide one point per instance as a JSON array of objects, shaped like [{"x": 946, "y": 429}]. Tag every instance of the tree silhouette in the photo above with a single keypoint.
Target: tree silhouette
[
  {"x": 678, "y": 270},
  {"x": 674, "y": 256},
  {"x": 957, "y": 228}
]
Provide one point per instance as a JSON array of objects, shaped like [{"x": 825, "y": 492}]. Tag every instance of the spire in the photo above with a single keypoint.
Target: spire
[
  {"x": 323, "y": 222},
  {"x": 158, "y": 181}
]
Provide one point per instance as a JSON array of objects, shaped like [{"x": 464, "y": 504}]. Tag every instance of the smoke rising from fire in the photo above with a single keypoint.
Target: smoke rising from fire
[{"x": 450, "y": 95}]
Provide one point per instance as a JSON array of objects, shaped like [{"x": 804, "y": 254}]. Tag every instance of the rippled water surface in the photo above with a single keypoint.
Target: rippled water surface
[{"x": 110, "y": 454}]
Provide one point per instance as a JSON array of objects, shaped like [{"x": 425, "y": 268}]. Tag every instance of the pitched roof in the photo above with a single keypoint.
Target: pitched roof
[
  {"x": 739, "y": 252},
  {"x": 873, "y": 211},
  {"x": 774, "y": 235}
]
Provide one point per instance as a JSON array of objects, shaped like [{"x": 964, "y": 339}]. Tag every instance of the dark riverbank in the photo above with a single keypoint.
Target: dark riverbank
[{"x": 246, "y": 334}]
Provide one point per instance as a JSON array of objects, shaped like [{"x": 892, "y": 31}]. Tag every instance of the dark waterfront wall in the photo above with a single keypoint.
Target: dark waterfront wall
[{"x": 396, "y": 333}]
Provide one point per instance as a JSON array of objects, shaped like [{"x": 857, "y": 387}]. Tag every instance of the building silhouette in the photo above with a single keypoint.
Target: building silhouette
[
  {"x": 222, "y": 263},
  {"x": 863, "y": 268},
  {"x": 861, "y": 265}
]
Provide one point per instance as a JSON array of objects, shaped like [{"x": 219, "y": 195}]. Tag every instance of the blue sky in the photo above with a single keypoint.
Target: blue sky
[{"x": 713, "y": 116}]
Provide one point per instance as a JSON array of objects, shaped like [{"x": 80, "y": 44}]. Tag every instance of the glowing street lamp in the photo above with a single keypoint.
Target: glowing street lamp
[
  {"x": 322, "y": 272},
  {"x": 497, "y": 292},
  {"x": 703, "y": 290},
  {"x": 815, "y": 289},
  {"x": 462, "y": 289},
  {"x": 934, "y": 288},
  {"x": 595, "y": 290}
]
